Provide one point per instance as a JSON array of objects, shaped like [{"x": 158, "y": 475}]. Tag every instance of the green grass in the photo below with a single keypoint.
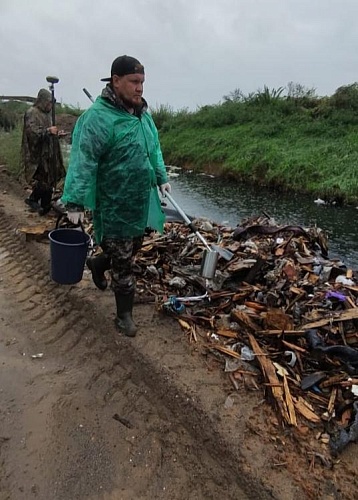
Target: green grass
[
  {"x": 10, "y": 149},
  {"x": 308, "y": 144}
]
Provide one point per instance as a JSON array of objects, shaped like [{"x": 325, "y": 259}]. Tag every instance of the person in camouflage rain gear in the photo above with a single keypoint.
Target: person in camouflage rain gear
[
  {"x": 40, "y": 153},
  {"x": 115, "y": 169}
]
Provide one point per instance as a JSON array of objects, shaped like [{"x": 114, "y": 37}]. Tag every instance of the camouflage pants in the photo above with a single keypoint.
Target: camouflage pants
[{"x": 122, "y": 253}]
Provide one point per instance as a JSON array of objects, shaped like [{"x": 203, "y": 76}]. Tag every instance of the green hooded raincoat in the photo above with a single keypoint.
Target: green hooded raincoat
[{"x": 115, "y": 167}]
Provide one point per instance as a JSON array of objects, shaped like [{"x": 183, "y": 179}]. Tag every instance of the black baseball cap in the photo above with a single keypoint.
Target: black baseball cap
[{"x": 125, "y": 65}]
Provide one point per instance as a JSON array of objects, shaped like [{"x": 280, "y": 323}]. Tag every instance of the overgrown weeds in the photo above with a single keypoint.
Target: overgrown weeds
[
  {"x": 294, "y": 139},
  {"x": 10, "y": 149}
]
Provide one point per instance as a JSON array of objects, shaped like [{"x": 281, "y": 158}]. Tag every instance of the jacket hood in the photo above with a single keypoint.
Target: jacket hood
[{"x": 42, "y": 100}]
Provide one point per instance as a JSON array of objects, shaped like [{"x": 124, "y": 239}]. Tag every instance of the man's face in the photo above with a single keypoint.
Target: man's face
[
  {"x": 129, "y": 88},
  {"x": 48, "y": 106}
]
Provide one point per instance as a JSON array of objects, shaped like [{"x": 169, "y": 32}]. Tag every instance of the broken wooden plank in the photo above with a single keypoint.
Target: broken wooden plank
[
  {"x": 334, "y": 317},
  {"x": 289, "y": 402},
  {"x": 225, "y": 332},
  {"x": 225, "y": 350},
  {"x": 294, "y": 347},
  {"x": 269, "y": 372},
  {"x": 332, "y": 400},
  {"x": 335, "y": 380},
  {"x": 305, "y": 410},
  {"x": 282, "y": 332}
]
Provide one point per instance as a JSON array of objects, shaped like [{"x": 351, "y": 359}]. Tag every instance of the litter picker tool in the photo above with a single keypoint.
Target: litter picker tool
[
  {"x": 211, "y": 253},
  {"x": 88, "y": 95}
]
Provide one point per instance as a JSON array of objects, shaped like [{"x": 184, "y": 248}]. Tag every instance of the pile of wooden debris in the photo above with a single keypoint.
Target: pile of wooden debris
[{"x": 279, "y": 315}]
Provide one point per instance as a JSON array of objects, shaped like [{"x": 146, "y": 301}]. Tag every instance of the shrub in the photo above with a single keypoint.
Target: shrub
[{"x": 346, "y": 97}]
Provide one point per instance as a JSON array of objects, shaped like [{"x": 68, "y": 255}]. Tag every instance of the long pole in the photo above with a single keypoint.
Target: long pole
[{"x": 52, "y": 80}]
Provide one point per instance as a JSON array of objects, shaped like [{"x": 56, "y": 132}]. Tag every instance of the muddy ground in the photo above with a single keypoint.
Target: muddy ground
[{"x": 88, "y": 414}]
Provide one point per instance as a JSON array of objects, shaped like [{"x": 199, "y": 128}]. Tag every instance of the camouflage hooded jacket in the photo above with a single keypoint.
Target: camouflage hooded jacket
[{"x": 40, "y": 151}]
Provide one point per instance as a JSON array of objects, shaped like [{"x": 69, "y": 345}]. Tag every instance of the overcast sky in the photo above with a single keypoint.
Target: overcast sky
[{"x": 194, "y": 51}]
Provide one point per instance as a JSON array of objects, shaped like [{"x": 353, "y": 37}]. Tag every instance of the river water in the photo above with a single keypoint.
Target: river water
[{"x": 228, "y": 201}]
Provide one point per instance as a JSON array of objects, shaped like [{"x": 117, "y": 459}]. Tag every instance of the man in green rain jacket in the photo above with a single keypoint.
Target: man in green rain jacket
[{"x": 115, "y": 169}]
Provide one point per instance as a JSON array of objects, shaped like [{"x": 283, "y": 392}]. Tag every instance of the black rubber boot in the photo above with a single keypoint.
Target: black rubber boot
[
  {"x": 33, "y": 200},
  {"x": 46, "y": 198},
  {"x": 34, "y": 206},
  {"x": 98, "y": 265},
  {"x": 124, "y": 321}
]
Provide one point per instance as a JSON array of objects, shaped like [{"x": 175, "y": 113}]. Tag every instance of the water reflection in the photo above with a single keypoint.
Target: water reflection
[{"x": 226, "y": 201}]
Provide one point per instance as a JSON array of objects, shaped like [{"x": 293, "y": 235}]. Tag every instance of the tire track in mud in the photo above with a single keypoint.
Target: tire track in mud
[
  {"x": 73, "y": 447},
  {"x": 63, "y": 322}
]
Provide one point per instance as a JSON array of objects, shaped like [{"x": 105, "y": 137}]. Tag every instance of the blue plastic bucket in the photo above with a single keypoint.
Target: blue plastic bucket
[{"x": 68, "y": 252}]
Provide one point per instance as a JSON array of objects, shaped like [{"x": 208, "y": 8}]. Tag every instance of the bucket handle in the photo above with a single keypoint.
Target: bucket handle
[
  {"x": 62, "y": 216},
  {"x": 80, "y": 224}
]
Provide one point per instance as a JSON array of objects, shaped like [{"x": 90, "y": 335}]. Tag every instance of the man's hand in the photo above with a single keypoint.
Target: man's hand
[
  {"x": 165, "y": 188},
  {"x": 75, "y": 217},
  {"x": 53, "y": 130}
]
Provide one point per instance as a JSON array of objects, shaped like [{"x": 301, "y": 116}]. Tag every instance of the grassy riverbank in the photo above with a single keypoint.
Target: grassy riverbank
[{"x": 296, "y": 141}]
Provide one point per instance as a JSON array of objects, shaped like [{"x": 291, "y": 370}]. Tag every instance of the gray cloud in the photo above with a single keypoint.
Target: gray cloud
[{"x": 194, "y": 51}]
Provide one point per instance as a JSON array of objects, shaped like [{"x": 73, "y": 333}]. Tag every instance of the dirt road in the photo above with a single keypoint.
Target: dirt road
[
  {"x": 88, "y": 414},
  {"x": 73, "y": 426}
]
